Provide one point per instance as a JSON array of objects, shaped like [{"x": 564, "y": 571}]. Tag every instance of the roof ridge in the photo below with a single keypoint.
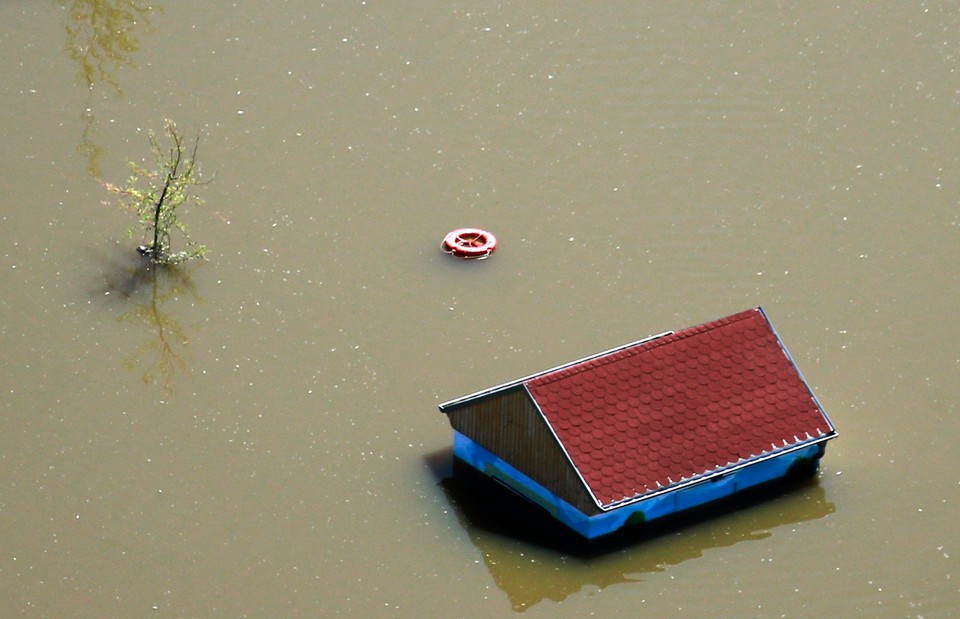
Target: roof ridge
[{"x": 643, "y": 346}]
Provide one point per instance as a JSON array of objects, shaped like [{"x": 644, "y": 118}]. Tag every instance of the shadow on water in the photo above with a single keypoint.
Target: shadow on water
[
  {"x": 144, "y": 289},
  {"x": 533, "y": 557}
]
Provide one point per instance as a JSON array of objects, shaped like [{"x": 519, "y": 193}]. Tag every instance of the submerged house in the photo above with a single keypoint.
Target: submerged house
[{"x": 647, "y": 429}]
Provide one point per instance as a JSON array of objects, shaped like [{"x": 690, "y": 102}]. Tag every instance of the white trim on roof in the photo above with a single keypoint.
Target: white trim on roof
[{"x": 563, "y": 448}]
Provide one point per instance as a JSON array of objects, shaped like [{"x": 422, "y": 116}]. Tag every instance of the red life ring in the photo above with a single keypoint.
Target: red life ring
[{"x": 471, "y": 243}]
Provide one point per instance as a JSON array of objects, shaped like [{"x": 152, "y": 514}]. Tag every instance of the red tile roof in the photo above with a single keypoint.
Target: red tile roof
[{"x": 678, "y": 407}]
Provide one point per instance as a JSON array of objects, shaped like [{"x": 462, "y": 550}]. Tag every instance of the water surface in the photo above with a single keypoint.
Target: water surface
[{"x": 257, "y": 435}]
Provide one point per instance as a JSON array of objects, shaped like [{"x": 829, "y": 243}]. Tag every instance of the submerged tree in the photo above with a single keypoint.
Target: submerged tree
[{"x": 156, "y": 195}]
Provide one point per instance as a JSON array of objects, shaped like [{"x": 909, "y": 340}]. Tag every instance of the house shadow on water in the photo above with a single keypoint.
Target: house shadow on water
[{"x": 533, "y": 557}]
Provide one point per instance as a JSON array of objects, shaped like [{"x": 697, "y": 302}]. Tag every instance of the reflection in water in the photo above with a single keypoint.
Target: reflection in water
[
  {"x": 533, "y": 557},
  {"x": 101, "y": 39},
  {"x": 147, "y": 287},
  {"x": 100, "y": 36},
  {"x": 88, "y": 146}
]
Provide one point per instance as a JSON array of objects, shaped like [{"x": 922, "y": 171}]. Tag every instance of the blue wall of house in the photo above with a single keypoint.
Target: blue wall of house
[{"x": 657, "y": 506}]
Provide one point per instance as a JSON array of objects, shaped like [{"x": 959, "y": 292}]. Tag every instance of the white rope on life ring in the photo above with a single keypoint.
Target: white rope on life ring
[{"x": 469, "y": 243}]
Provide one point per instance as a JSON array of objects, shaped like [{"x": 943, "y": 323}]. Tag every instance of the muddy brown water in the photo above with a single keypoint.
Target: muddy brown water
[{"x": 257, "y": 435}]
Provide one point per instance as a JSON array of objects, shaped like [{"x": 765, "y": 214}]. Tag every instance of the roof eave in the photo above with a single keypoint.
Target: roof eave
[{"x": 720, "y": 472}]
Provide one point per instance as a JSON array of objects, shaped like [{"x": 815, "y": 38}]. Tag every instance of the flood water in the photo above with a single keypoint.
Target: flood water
[{"x": 256, "y": 435}]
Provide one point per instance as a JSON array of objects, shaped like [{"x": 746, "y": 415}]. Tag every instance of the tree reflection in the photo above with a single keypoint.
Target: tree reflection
[
  {"x": 102, "y": 39},
  {"x": 88, "y": 147},
  {"x": 147, "y": 288},
  {"x": 101, "y": 36}
]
